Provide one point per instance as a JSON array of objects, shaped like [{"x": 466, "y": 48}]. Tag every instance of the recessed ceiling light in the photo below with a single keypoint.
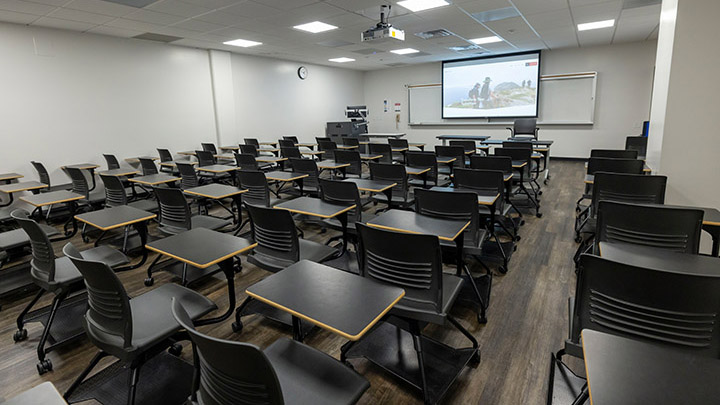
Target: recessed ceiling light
[
  {"x": 242, "y": 43},
  {"x": 486, "y": 40},
  {"x": 342, "y": 60},
  {"x": 315, "y": 27},
  {"x": 420, "y": 5},
  {"x": 595, "y": 25},
  {"x": 404, "y": 51}
]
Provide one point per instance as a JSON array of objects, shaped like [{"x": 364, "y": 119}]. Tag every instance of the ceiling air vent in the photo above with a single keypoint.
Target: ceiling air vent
[
  {"x": 496, "y": 15},
  {"x": 434, "y": 34},
  {"x": 149, "y": 36},
  {"x": 133, "y": 3},
  {"x": 464, "y": 48}
]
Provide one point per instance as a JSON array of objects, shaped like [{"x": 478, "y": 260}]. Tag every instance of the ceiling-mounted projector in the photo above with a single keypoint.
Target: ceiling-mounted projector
[{"x": 383, "y": 30}]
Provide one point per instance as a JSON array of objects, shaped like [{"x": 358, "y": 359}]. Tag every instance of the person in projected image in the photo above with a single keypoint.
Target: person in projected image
[
  {"x": 485, "y": 93},
  {"x": 474, "y": 95}
]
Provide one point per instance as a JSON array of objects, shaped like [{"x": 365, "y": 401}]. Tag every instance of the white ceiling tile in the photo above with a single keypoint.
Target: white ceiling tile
[
  {"x": 178, "y": 8},
  {"x": 82, "y": 16},
  {"x": 530, "y": 7},
  {"x": 26, "y": 7},
  {"x": 100, "y": 7},
  {"x": 63, "y": 24},
  {"x": 221, "y": 18},
  {"x": 56, "y": 3},
  {"x": 133, "y": 25},
  {"x": 285, "y": 4},
  {"x": 596, "y": 12},
  {"x": 357, "y": 5},
  {"x": 214, "y": 4},
  {"x": 17, "y": 18},
  {"x": 476, "y": 6},
  {"x": 197, "y": 25},
  {"x": 250, "y": 9},
  {"x": 114, "y": 31},
  {"x": 154, "y": 17}
]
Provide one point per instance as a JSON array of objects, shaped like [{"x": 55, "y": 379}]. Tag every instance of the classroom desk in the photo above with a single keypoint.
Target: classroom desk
[
  {"x": 121, "y": 172},
  {"x": 9, "y": 177},
  {"x": 626, "y": 371},
  {"x": 385, "y": 135},
  {"x": 660, "y": 259},
  {"x": 85, "y": 166},
  {"x": 221, "y": 156},
  {"x": 231, "y": 147},
  {"x": 346, "y": 147},
  {"x": 45, "y": 394},
  {"x": 445, "y": 138},
  {"x": 201, "y": 248},
  {"x": 310, "y": 146},
  {"x": 217, "y": 192},
  {"x": 273, "y": 144},
  {"x": 446, "y": 159},
  {"x": 187, "y": 153},
  {"x": 418, "y": 171},
  {"x": 483, "y": 198},
  {"x": 154, "y": 179},
  {"x": 217, "y": 169},
  {"x": 399, "y": 150},
  {"x": 272, "y": 159},
  {"x": 420, "y": 146},
  {"x": 313, "y": 153},
  {"x": 368, "y": 156},
  {"x": 541, "y": 146},
  {"x": 332, "y": 165},
  {"x": 316, "y": 207},
  {"x": 12, "y": 188},
  {"x": 342, "y": 303},
  {"x": 374, "y": 186},
  {"x": 286, "y": 177},
  {"x": 136, "y": 159},
  {"x": 117, "y": 217},
  {"x": 173, "y": 163},
  {"x": 58, "y": 197}
]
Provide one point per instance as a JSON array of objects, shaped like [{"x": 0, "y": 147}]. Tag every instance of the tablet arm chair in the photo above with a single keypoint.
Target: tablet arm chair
[
  {"x": 401, "y": 197},
  {"x": 610, "y": 165},
  {"x": 524, "y": 128},
  {"x": 148, "y": 166},
  {"x": 112, "y": 161},
  {"x": 246, "y": 161},
  {"x": 422, "y": 160},
  {"x": 132, "y": 330},
  {"x": 44, "y": 178}
]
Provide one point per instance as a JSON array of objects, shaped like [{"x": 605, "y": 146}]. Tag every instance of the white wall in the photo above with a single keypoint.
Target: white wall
[
  {"x": 272, "y": 101},
  {"x": 623, "y": 98}
]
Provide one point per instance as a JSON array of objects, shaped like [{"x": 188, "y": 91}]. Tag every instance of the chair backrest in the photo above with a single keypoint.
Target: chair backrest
[
  {"x": 423, "y": 160},
  {"x": 252, "y": 141},
  {"x": 468, "y": 146},
  {"x": 290, "y": 152},
  {"x": 393, "y": 173},
  {"x": 638, "y": 143},
  {"x": 525, "y": 127},
  {"x": 614, "y": 153},
  {"x": 516, "y": 154},
  {"x": 352, "y": 157},
  {"x": 306, "y": 166},
  {"x": 488, "y": 181},
  {"x": 517, "y": 144},
  {"x": 79, "y": 182},
  {"x": 230, "y": 372},
  {"x": 631, "y": 166},
  {"x": 275, "y": 233},
  {"x": 255, "y": 182},
  {"x": 501, "y": 163},
  {"x": 43, "y": 255},
  {"x": 114, "y": 191},
  {"x": 451, "y": 205},
  {"x": 249, "y": 149},
  {"x": 342, "y": 192},
  {"x": 291, "y": 138},
  {"x": 246, "y": 161},
  {"x": 109, "y": 315},
  {"x": 174, "y": 209},
  {"x": 629, "y": 188},
  {"x": 327, "y": 146},
  {"x": 382, "y": 149},
  {"x": 209, "y": 147},
  {"x": 286, "y": 143},
  {"x": 350, "y": 141},
  {"x": 398, "y": 143},
  {"x": 410, "y": 261},
  {"x": 112, "y": 161},
  {"x": 655, "y": 306},
  {"x": 457, "y": 152},
  {"x": 188, "y": 175},
  {"x": 42, "y": 172},
  {"x": 205, "y": 158},
  {"x": 148, "y": 166},
  {"x": 165, "y": 155},
  {"x": 658, "y": 226},
  {"x": 318, "y": 139}
]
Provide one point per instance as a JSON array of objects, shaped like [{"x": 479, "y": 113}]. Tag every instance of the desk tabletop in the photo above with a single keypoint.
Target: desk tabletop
[
  {"x": 347, "y": 146},
  {"x": 399, "y": 149},
  {"x": 174, "y": 163},
  {"x": 416, "y": 170},
  {"x": 53, "y": 197},
  {"x": 222, "y": 156},
  {"x": 22, "y": 186},
  {"x": 201, "y": 247},
  {"x": 518, "y": 164},
  {"x": 535, "y": 142},
  {"x": 136, "y": 159},
  {"x": 446, "y": 159},
  {"x": 507, "y": 177},
  {"x": 660, "y": 259},
  {"x": 343, "y": 303},
  {"x": 215, "y": 191},
  {"x": 45, "y": 394},
  {"x": 82, "y": 166},
  {"x": 306, "y": 145},
  {"x": 589, "y": 179},
  {"x": 116, "y": 217},
  {"x": 384, "y": 134},
  {"x": 314, "y": 207},
  {"x": 367, "y": 156},
  {"x": 217, "y": 168},
  {"x": 268, "y": 143},
  {"x": 329, "y": 164},
  {"x": 10, "y": 176},
  {"x": 417, "y": 145},
  {"x": 273, "y": 150},
  {"x": 373, "y": 186},
  {"x": 154, "y": 179},
  {"x": 412, "y": 222},
  {"x": 123, "y": 171},
  {"x": 187, "y": 152},
  {"x": 230, "y": 147},
  {"x": 270, "y": 159},
  {"x": 484, "y": 198},
  {"x": 285, "y": 176},
  {"x": 626, "y": 371},
  {"x": 467, "y": 137},
  {"x": 711, "y": 216}
]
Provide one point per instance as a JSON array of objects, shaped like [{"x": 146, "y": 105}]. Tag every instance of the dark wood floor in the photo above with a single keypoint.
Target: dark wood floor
[{"x": 527, "y": 318}]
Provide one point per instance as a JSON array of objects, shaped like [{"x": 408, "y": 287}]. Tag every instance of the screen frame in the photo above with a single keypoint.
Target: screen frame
[{"x": 537, "y": 80}]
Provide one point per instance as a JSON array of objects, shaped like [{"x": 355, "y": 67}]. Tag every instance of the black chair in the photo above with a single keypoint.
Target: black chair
[
  {"x": 148, "y": 166},
  {"x": 522, "y": 156},
  {"x": 658, "y": 226},
  {"x": 532, "y": 167},
  {"x": 613, "y": 153},
  {"x": 351, "y": 157},
  {"x": 112, "y": 161},
  {"x": 205, "y": 158},
  {"x": 252, "y": 141},
  {"x": 209, "y": 147},
  {"x": 286, "y": 143},
  {"x": 44, "y": 178},
  {"x": 188, "y": 176},
  {"x": 175, "y": 216},
  {"x": 462, "y": 207},
  {"x": 401, "y": 196},
  {"x": 458, "y": 152},
  {"x": 350, "y": 141},
  {"x": 258, "y": 191},
  {"x": 327, "y": 146},
  {"x": 524, "y": 128},
  {"x": 250, "y": 149},
  {"x": 382, "y": 149},
  {"x": 412, "y": 262},
  {"x": 132, "y": 330},
  {"x": 238, "y": 373},
  {"x": 290, "y": 152},
  {"x": 291, "y": 138},
  {"x": 399, "y": 144},
  {"x": 246, "y": 161},
  {"x": 676, "y": 310},
  {"x": 504, "y": 165},
  {"x": 637, "y": 143},
  {"x": 468, "y": 146},
  {"x": 59, "y": 277},
  {"x": 166, "y": 156},
  {"x": 116, "y": 195},
  {"x": 92, "y": 199},
  {"x": 609, "y": 165},
  {"x": 422, "y": 160},
  {"x": 344, "y": 192},
  {"x": 309, "y": 167}
]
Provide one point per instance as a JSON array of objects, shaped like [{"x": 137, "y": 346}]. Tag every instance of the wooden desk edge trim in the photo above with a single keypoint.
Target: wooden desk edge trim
[
  {"x": 13, "y": 177},
  {"x": 234, "y": 193},
  {"x": 389, "y": 228},
  {"x": 202, "y": 266},
  {"x": 491, "y": 203},
  {"x": 114, "y": 226},
  {"x": 302, "y": 176},
  {"x": 336, "y": 166},
  {"x": 23, "y": 189},
  {"x": 157, "y": 182},
  {"x": 52, "y": 202},
  {"x": 200, "y": 169},
  {"x": 586, "y": 369},
  {"x": 316, "y": 215},
  {"x": 378, "y": 190}
]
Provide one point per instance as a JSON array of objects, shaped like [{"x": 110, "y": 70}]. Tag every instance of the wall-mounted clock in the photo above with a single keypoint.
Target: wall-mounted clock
[{"x": 302, "y": 72}]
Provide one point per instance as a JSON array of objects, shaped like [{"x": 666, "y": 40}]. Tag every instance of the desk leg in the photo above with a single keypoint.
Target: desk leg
[
  {"x": 72, "y": 207},
  {"x": 459, "y": 244},
  {"x": 142, "y": 230},
  {"x": 10, "y": 201},
  {"x": 714, "y": 232},
  {"x": 297, "y": 329},
  {"x": 300, "y": 184},
  {"x": 229, "y": 269},
  {"x": 92, "y": 177},
  {"x": 343, "y": 218}
]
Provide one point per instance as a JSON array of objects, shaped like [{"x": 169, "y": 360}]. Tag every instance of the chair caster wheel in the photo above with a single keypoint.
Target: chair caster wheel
[
  {"x": 86, "y": 239},
  {"x": 44, "y": 366},
  {"x": 237, "y": 327},
  {"x": 578, "y": 239},
  {"x": 539, "y": 215},
  {"x": 175, "y": 349},
  {"x": 20, "y": 335},
  {"x": 503, "y": 269},
  {"x": 517, "y": 238},
  {"x": 540, "y": 192},
  {"x": 482, "y": 320},
  {"x": 522, "y": 222},
  {"x": 514, "y": 248},
  {"x": 475, "y": 359},
  {"x": 149, "y": 281},
  {"x": 577, "y": 210}
]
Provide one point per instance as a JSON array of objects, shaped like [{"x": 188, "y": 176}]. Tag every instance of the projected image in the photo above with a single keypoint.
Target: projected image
[{"x": 504, "y": 86}]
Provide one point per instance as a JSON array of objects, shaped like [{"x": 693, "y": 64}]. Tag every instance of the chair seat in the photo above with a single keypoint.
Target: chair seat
[
  {"x": 145, "y": 205},
  {"x": 18, "y": 238},
  {"x": 206, "y": 221},
  {"x": 96, "y": 197},
  {"x": 309, "y": 376},
  {"x": 106, "y": 254},
  {"x": 469, "y": 248},
  {"x": 426, "y": 312},
  {"x": 66, "y": 274}
]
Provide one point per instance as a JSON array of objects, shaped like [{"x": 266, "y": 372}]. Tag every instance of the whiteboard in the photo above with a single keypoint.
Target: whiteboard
[{"x": 564, "y": 99}]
